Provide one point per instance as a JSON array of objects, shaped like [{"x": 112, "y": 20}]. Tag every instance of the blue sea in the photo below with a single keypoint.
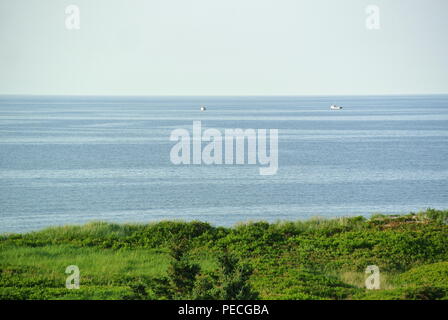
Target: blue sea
[{"x": 67, "y": 160}]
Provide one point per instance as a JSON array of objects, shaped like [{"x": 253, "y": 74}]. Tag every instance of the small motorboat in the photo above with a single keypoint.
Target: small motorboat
[
  {"x": 203, "y": 108},
  {"x": 335, "y": 107}
]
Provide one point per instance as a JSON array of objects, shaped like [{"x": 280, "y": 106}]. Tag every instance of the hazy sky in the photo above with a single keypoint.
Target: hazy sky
[{"x": 223, "y": 47}]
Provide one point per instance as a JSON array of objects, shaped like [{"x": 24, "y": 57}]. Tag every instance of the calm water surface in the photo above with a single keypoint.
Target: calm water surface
[{"x": 74, "y": 160}]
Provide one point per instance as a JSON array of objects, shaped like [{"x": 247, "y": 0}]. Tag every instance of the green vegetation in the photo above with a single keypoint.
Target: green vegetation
[{"x": 315, "y": 259}]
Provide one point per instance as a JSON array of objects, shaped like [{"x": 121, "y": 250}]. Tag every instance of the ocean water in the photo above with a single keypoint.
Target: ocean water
[{"x": 66, "y": 160}]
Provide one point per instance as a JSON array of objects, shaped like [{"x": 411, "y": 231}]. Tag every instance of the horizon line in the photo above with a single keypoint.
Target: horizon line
[{"x": 216, "y": 95}]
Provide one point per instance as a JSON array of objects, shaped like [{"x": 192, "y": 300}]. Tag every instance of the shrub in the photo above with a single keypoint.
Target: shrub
[{"x": 435, "y": 275}]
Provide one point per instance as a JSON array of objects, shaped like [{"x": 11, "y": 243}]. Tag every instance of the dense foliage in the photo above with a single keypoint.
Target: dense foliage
[{"x": 315, "y": 259}]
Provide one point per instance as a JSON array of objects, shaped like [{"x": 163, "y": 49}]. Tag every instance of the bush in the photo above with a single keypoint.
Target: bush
[
  {"x": 435, "y": 275},
  {"x": 284, "y": 260}
]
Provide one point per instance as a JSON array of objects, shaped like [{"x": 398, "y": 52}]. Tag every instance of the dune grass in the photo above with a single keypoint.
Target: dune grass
[{"x": 314, "y": 259}]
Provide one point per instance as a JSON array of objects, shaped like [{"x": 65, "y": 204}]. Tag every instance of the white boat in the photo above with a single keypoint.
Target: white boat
[
  {"x": 335, "y": 107},
  {"x": 203, "y": 108}
]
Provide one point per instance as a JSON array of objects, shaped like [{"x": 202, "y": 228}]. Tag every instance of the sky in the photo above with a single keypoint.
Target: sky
[{"x": 223, "y": 47}]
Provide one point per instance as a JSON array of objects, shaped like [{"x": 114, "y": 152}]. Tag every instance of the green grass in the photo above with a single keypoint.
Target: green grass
[
  {"x": 314, "y": 259},
  {"x": 435, "y": 275},
  {"x": 97, "y": 265}
]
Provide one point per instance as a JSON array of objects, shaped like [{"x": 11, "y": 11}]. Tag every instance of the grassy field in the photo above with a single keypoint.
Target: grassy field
[{"x": 314, "y": 259}]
